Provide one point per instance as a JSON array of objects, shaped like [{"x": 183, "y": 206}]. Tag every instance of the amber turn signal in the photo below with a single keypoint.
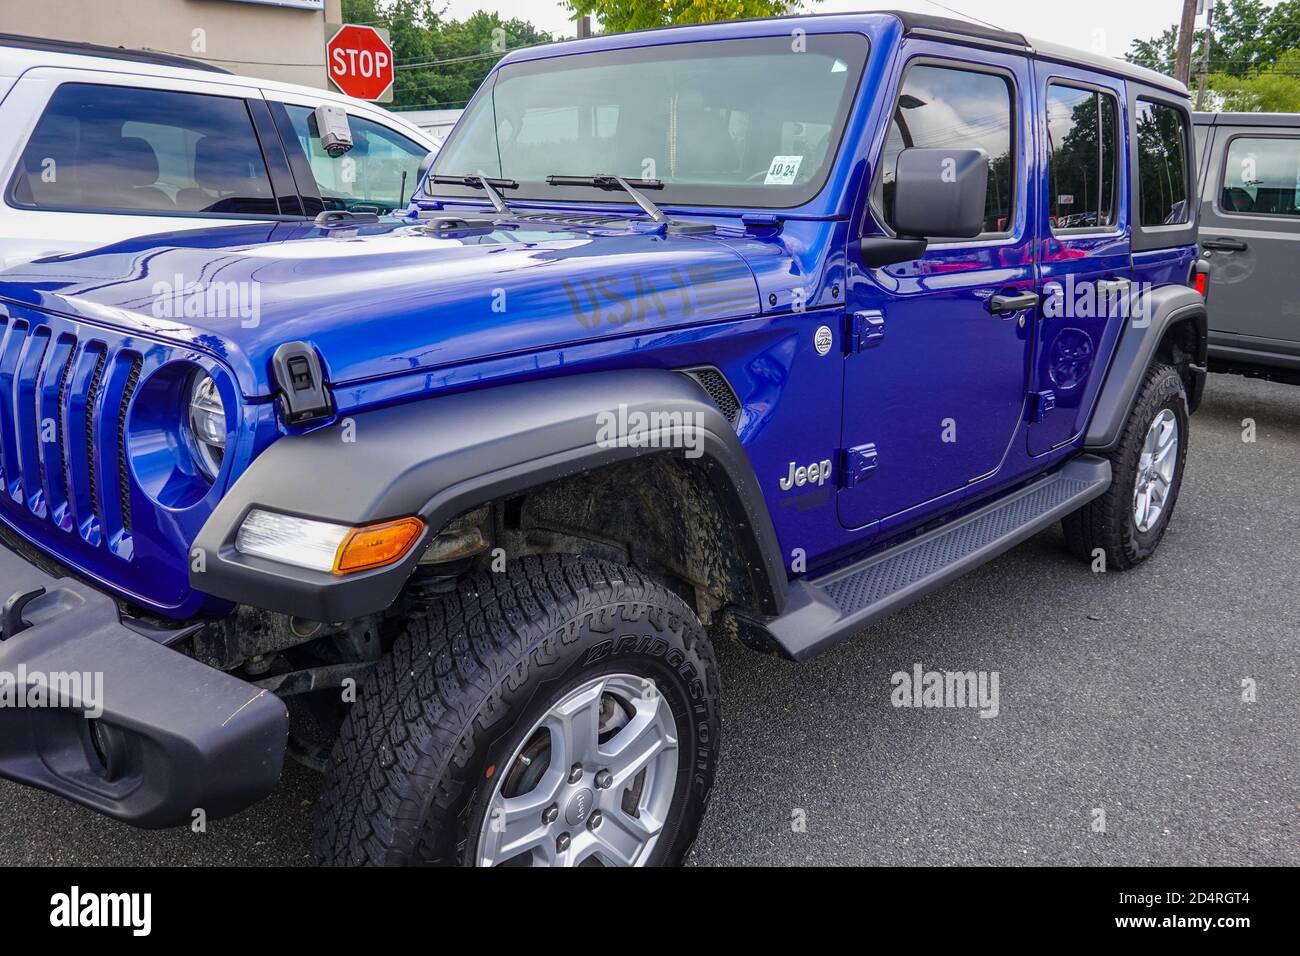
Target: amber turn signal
[{"x": 376, "y": 545}]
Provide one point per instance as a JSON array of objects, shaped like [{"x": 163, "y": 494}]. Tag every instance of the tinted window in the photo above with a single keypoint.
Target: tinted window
[
  {"x": 1262, "y": 176},
  {"x": 368, "y": 177},
  {"x": 941, "y": 106},
  {"x": 118, "y": 148},
  {"x": 753, "y": 123},
  {"x": 1082, "y": 153},
  {"x": 1162, "y": 164}
]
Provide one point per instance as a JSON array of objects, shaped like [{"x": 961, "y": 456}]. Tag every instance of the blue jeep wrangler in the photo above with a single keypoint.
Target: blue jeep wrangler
[{"x": 755, "y": 332}]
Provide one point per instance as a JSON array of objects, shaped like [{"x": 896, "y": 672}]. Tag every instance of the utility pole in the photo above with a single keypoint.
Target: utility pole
[
  {"x": 1205, "y": 53},
  {"x": 1183, "y": 60}
]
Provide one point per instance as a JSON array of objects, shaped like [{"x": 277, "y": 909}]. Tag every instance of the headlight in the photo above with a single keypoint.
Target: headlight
[{"x": 207, "y": 419}]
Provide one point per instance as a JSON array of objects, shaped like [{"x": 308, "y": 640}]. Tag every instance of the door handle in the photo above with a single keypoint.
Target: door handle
[
  {"x": 1007, "y": 304},
  {"x": 1224, "y": 245}
]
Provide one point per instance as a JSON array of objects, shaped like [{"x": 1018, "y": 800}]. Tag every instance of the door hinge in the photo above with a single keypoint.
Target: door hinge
[
  {"x": 1040, "y": 403},
  {"x": 303, "y": 396},
  {"x": 857, "y": 464},
  {"x": 866, "y": 330}
]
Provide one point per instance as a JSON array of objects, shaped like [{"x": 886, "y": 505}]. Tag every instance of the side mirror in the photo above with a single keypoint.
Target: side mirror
[
  {"x": 333, "y": 128},
  {"x": 424, "y": 167},
  {"x": 940, "y": 193}
]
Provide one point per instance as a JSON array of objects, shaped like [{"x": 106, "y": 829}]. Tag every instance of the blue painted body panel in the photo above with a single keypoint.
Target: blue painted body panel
[
  {"x": 397, "y": 315},
  {"x": 1072, "y": 353}
]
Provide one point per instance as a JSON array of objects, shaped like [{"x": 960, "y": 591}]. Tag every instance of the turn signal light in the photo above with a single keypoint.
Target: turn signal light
[{"x": 377, "y": 545}]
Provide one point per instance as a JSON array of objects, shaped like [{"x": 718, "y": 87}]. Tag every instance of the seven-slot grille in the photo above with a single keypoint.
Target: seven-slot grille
[{"x": 63, "y": 403}]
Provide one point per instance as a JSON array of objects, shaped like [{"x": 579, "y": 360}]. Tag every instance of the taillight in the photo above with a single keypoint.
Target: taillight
[{"x": 1200, "y": 278}]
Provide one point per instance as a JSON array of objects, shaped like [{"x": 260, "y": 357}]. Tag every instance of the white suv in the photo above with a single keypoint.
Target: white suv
[{"x": 105, "y": 144}]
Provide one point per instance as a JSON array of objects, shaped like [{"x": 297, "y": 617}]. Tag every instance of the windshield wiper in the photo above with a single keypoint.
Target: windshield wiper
[
  {"x": 483, "y": 182},
  {"x": 606, "y": 181}
]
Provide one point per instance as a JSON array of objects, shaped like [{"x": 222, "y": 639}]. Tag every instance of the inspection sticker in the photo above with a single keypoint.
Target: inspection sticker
[{"x": 783, "y": 170}]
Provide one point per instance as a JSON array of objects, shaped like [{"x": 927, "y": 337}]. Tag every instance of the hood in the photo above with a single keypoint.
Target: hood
[{"x": 390, "y": 297}]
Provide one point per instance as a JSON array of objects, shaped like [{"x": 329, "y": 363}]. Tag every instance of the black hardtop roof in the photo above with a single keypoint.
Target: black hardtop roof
[{"x": 1287, "y": 120}]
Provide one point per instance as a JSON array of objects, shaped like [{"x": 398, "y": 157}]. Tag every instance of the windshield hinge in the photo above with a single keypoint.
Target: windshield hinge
[{"x": 303, "y": 396}]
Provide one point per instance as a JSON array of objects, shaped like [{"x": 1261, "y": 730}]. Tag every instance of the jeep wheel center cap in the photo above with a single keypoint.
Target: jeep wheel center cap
[{"x": 579, "y": 806}]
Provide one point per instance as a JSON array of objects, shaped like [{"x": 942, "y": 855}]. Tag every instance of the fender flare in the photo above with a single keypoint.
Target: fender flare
[
  {"x": 1167, "y": 307},
  {"x": 441, "y": 456}
]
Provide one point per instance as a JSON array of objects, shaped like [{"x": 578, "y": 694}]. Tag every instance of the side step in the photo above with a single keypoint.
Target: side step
[{"x": 821, "y": 613}]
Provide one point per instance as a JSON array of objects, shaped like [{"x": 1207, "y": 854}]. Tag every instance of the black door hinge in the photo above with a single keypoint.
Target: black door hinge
[
  {"x": 857, "y": 464},
  {"x": 1040, "y": 403},
  {"x": 866, "y": 330},
  {"x": 303, "y": 396}
]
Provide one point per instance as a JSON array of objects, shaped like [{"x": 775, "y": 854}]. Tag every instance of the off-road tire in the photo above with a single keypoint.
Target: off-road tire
[
  {"x": 409, "y": 776},
  {"x": 1107, "y": 523}
]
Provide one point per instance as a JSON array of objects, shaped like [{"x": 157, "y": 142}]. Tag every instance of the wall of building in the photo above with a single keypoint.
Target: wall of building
[{"x": 256, "y": 39}]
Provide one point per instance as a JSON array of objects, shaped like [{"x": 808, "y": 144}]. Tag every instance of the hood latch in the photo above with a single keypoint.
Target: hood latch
[{"x": 303, "y": 396}]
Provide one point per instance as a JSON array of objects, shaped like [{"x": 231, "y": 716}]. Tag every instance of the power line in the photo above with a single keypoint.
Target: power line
[
  {"x": 941, "y": 6},
  {"x": 455, "y": 59}
]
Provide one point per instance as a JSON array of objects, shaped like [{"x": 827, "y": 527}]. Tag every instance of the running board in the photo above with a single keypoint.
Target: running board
[{"x": 821, "y": 613}]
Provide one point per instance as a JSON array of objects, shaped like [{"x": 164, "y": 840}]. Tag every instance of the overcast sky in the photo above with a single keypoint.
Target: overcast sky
[{"x": 1107, "y": 26}]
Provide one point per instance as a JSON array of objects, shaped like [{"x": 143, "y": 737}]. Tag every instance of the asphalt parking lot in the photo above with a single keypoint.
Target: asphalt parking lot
[{"x": 1120, "y": 693}]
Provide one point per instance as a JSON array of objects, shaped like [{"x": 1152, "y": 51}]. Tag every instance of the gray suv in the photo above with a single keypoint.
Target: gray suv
[{"x": 1250, "y": 233}]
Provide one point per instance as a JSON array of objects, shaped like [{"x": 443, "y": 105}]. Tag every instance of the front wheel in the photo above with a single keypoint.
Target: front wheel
[
  {"x": 563, "y": 713},
  {"x": 1127, "y": 523}
]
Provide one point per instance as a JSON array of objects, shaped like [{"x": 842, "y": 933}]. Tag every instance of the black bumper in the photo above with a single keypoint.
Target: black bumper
[{"x": 172, "y": 736}]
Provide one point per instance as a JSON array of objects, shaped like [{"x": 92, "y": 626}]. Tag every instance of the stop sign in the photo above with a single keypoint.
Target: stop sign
[{"x": 360, "y": 62}]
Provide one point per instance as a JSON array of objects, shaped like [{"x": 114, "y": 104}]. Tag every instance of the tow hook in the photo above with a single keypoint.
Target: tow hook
[{"x": 11, "y": 615}]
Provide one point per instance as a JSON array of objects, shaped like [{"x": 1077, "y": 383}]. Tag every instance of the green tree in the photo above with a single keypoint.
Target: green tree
[
  {"x": 1249, "y": 38},
  {"x": 1157, "y": 53},
  {"x": 440, "y": 62},
  {"x": 619, "y": 16},
  {"x": 1274, "y": 91}
]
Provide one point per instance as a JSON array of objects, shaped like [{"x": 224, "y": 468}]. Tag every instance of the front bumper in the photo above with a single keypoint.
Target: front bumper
[{"x": 139, "y": 732}]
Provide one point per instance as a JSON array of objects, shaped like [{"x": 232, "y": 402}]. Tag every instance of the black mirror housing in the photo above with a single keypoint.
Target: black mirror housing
[
  {"x": 940, "y": 193},
  {"x": 424, "y": 166}
]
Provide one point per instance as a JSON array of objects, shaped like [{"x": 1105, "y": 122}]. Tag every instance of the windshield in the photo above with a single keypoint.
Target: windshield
[{"x": 753, "y": 123}]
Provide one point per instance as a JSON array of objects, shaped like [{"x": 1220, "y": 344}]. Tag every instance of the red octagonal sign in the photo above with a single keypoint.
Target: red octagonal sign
[{"x": 360, "y": 62}]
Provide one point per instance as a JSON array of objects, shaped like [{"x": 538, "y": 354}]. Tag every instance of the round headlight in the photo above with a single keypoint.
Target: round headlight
[{"x": 207, "y": 419}]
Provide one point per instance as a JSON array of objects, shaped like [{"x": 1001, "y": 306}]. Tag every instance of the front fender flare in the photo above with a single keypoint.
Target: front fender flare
[{"x": 438, "y": 457}]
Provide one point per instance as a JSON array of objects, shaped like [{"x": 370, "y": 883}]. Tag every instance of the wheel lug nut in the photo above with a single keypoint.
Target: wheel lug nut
[
  {"x": 594, "y": 820},
  {"x": 562, "y": 842},
  {"x": 604, "y": 779},
  {"x": 550, "y": 814},
  {"x": 575, "y": 773}
]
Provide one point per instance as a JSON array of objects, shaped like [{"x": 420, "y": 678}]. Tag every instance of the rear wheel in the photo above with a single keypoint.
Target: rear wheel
[
  {"x": 1128, "y": 522},
  {"x": 563, "y": 713}
]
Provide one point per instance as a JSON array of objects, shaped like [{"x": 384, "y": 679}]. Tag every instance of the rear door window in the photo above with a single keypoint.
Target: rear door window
[
  {"x": 377, "y": 174},
  {"x": 1083, "y": 152},
  {"x": 124, "y": 149},
  {"x": 1162, "y": 143},
  {"x": 1262, "y": 177}
]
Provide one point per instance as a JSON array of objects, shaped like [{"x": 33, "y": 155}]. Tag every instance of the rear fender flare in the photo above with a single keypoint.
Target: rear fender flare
[{"x": 1162, "y": 309}]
